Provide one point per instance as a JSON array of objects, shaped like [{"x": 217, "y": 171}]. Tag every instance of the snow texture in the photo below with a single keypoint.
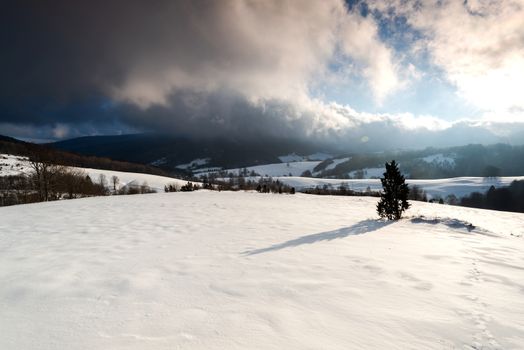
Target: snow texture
[{"x": 234, "y": 270}]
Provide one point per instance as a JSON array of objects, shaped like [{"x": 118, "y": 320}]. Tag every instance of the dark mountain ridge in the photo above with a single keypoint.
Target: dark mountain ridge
[
  {"x": 13, "y": 146},
  {"x": 170, "y": 151}
]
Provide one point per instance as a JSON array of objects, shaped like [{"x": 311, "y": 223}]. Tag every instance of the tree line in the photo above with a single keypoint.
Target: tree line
[
  {"x": 510, "y": 198},
  {"x": 242, "y": 183},
  {"x": 48, "y": 181}
]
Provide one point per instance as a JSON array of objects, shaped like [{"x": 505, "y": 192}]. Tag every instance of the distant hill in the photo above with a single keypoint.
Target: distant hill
[
  {"x": 168, "y": 152},
  {"x": 9, "y": 145},
  {"x": 179, "y": 154},
  {"x": 8, "y": 139},
  {"x": 431, "y": 163}
]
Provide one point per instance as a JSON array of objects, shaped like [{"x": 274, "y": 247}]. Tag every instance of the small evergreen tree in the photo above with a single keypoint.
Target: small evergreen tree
[{"x": 394, "y": 196}]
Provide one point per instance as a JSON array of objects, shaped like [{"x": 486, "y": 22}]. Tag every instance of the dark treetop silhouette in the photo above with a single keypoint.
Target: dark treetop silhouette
[{"x": 394, "y": 196}]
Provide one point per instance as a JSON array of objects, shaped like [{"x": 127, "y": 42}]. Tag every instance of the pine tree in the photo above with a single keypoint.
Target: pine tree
[{"x": 394, "y": 196}]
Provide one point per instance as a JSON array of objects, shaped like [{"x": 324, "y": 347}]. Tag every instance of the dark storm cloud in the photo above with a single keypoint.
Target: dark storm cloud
[
  {"x": 200, "y": 68},
  {"x": 59, "y": 55},
  {"x": 62, "y": 60}
]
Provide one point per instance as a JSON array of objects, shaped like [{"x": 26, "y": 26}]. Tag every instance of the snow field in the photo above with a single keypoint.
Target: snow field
[
  {"x": 459, "y": 186},
  {"x": 235, "y": 270}
]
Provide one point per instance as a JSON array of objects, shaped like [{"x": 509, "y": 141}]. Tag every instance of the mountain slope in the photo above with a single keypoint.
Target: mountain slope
[
  {"x": 170, "y": 151},
  {"x": 245, "y": 270},
  {"x": 16, "y": 147},
  {"x": 434, "y": 163},
  {"x": 174, "y": 153}
]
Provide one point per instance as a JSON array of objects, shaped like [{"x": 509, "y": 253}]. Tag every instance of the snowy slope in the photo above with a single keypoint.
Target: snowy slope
[
  {"x": 291, "y": 164},
  {"x": 155, "y": 182},
  {"x": 459, "y": 186},
  {"x": 15, "y": 165},
  {"x": 11, "y": 165},
  {"x": 337, "y": 162},
  {"x": 210, "y": 270},
  {"x": 277, "y": 169}
]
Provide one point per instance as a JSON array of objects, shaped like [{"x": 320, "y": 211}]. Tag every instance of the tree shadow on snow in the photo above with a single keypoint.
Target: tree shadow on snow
[
  {"x": 359, "y": 228},
  {"x": 457, "y": 225}
]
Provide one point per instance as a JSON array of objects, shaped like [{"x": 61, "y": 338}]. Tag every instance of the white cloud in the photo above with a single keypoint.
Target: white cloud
[
  {"x": 361, "y": 42},
  {"x": 479, "y": 45}
]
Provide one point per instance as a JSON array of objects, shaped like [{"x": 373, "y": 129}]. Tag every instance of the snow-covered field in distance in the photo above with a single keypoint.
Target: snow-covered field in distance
[
  {"x": 236, "y": 270},
  {"x": 459, "y": 186},
  {"x": 291, "y": 164},
  {"x": 15, "y": 165},
  {"x": 274, "y": 169}
]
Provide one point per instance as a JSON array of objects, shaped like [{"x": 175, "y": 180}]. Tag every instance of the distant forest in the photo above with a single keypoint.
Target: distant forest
[{"x": 510, "y": 198}]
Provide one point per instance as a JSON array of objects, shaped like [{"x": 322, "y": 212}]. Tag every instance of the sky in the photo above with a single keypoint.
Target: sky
[{"x": 416, "y": 73}]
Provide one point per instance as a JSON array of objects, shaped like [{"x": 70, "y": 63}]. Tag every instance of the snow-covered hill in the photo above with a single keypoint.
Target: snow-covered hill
[
  {"x": 275, "y": 169},
  {"x": 209, "y": 270},
  {"x": 11, "y": 165},
  {"x": 15, "y": 165}
]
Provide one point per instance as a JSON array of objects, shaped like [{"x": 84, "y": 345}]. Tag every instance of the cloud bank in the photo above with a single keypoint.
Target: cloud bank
[{"x": 248, "y": 68}]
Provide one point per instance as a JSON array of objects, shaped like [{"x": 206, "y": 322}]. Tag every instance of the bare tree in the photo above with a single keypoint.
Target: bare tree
[
  {"x": 102, "y": 180},
  {"x": 144, "y": 188},
  {"x": 44, "y": 175},
  {"x": 115, "y": 180},
  {"x": 72, "y": 180}
]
